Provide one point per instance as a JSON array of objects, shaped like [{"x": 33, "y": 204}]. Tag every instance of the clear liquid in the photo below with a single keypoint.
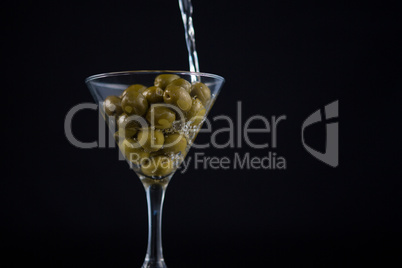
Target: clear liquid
[{"x": 186, "y": 9}]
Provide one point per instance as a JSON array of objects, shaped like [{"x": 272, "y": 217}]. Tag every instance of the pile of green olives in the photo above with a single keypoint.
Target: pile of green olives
[{"x": 145, "y": 117}]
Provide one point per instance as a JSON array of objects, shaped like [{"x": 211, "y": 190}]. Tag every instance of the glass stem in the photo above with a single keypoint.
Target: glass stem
[{"x": 155, "y": 195}]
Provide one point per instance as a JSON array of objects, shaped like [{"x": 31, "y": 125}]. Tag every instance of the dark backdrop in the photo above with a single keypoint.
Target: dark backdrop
[{"x": 68, "y": 207}]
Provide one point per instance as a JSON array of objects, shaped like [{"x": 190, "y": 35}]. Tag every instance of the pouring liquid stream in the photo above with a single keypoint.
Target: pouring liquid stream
[{"x": 186, "y": 9}]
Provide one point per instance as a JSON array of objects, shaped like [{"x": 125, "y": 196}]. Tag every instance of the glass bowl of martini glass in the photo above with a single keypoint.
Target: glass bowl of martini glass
[{"x": 155, "y": 117}]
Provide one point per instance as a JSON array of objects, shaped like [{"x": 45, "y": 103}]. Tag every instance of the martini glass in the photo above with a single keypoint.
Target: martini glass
[{"x": 104, "y": 85}]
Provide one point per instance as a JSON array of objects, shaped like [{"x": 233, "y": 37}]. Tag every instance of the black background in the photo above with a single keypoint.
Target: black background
[{"x": 68, "y": 207}]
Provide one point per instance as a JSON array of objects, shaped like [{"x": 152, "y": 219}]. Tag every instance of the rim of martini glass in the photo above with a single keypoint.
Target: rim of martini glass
[{"x": 120, "y": 73}]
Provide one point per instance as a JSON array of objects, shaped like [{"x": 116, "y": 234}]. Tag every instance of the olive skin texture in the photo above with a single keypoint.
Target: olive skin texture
[
  {"x": 133, "y": 151},
  {"x": 175, "y": 143},
  {"x": 151, "y": 140},
  {"x": 163, "y": 80},
  {"x": 125, "y": 133},
  {"x": 126, "y": 127},
  {"x": 179, "y": 97},
  {"x": 136, "y": 87},
  {"x": 112, "y": 105},
  {"x": 121, "y": 120},
  {"x": 153, "y": 94},
  {"x": 157, "y": 153},
  {"x": 160, "y": 117},
  {"x": 201, "y": 92},
  {"x": 131, "y": 121},
  {"x": 196, "y": 113},
  {"x": 181, "y": 83},
  {"x": 127, "y": 121},
  {"x": 134, "y": 102},
  {"x": 158, "y": 166}
]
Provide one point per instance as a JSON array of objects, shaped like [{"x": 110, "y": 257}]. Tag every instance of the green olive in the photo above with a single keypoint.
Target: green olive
[
  {"x": 128, "y": 121},
  {"x": 122, "y": 133},
  {"x": 153, "y": 94},
  {"x": 175, "y": 143},
  {"x": 134, "y": 102},
  {"x": 160, "y": 117},
  {"x": 163, "y": 80},
  {"x": 112, "y": 105},
  {"x": 121, "y": 120},
  {"x": 181, "y": 83},
  {"x": 196, "y": 113},
  {"x": 157, "y": 153},
  {"x": 136, "y": 87},
  {"x": 158, "y": 166},
  {"x": 127, "y": 126},
  {"x": 133, "y": 152},
  {"x": 201, "y": 92},
  {"x": 179, "y": 97},
  {"x": 151, "y": 140}
]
